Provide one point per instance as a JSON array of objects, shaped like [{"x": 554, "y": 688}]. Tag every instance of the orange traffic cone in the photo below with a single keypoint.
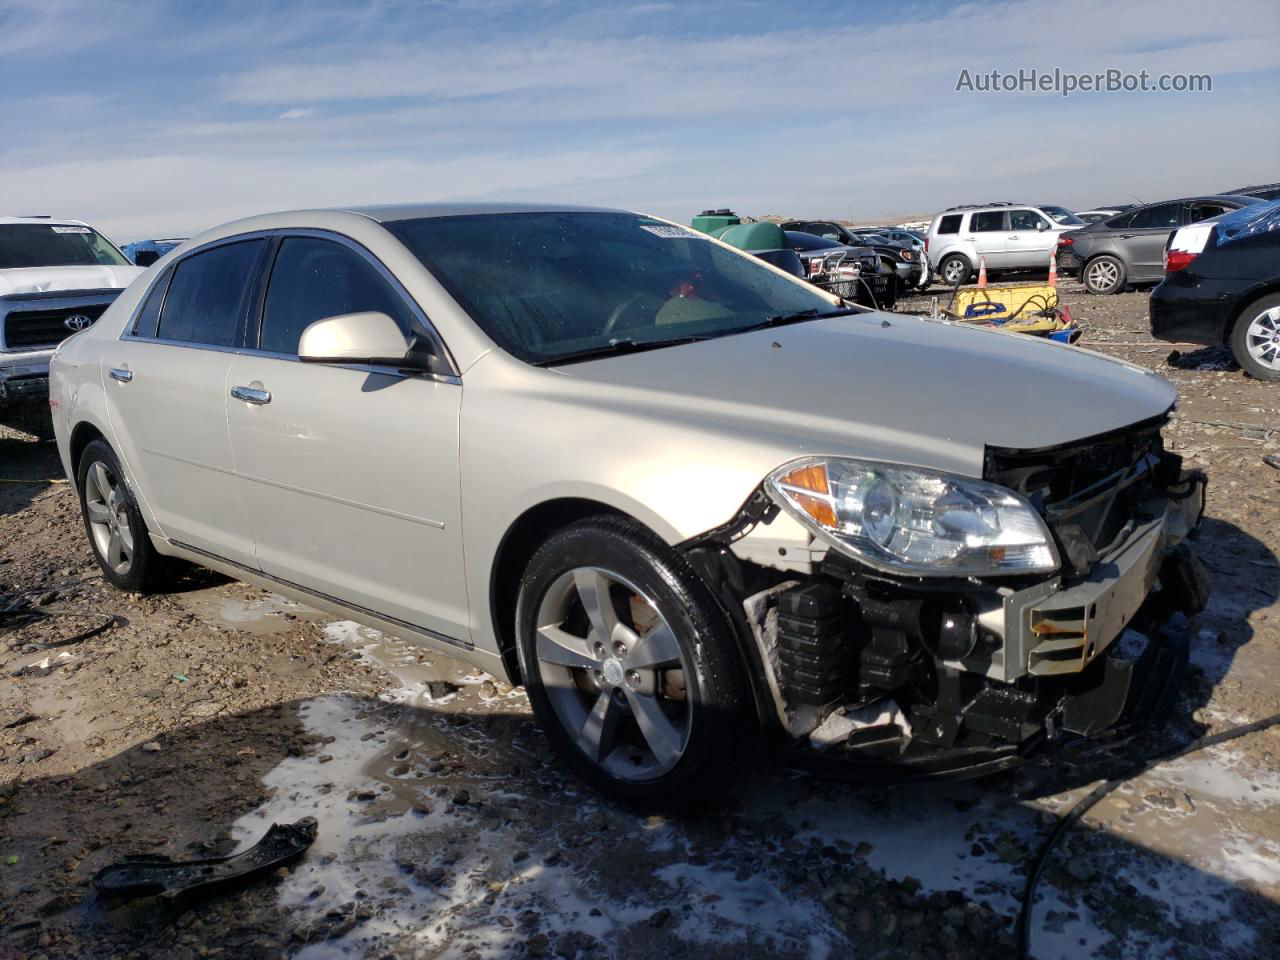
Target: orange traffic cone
[
  {"x": 982, "y": 273},
  {"x": 1053, "y": 269}
]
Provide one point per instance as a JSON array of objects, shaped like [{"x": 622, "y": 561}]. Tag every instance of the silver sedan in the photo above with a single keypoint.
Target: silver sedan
[{"x": 686, "y": 499}]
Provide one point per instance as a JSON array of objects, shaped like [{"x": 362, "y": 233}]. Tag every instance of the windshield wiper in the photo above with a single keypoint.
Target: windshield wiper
[
  {"x": 782, "y": 319},
  {"x": 616, "y": 347}
]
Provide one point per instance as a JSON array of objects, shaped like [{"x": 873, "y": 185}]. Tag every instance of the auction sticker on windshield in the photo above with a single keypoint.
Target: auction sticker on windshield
[
  {"x": 670, "y": 231},
  {"x": 71, "y": 230}
]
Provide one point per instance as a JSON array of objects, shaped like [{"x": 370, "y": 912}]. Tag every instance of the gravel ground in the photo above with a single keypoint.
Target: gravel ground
[{"x": 209, "y": 712}]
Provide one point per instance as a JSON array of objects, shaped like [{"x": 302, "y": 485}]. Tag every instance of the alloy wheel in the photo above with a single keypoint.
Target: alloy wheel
[
  {"x": 108, "y": 513},
  {"x": 1103, "y": 274},
  {"x": 1262, "y": 338},
  {"x": 953, "y": 270},
  {"x": 614, "y": 673}
]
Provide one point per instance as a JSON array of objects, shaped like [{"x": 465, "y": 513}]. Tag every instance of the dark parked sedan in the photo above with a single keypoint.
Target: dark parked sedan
[
  {"x": 1129, "y": 248},
  {"x": 1222, "y": 286}
]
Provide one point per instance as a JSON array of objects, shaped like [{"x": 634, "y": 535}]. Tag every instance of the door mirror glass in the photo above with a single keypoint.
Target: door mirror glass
[{"x": 368, "y": 337}]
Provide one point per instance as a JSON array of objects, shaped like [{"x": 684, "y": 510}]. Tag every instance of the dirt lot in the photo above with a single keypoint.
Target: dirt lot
[{"x": 205, "y": 714}]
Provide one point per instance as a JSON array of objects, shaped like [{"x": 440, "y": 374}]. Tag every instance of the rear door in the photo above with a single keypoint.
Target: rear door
[
  {"x": 166, "y": 382},
  {"x": 1141, "y": 243},
  {"x": 1029, "y": 241},
  {"x": 987, "y": 232},
  {"x": 349, "y": 472}
]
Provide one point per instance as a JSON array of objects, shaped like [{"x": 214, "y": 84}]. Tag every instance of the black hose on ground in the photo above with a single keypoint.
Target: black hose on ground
[{"x": 1083, "y": 805}]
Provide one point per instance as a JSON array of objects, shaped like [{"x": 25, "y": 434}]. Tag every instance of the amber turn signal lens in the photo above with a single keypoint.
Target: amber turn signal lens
[{"x": 813, "y": 477}]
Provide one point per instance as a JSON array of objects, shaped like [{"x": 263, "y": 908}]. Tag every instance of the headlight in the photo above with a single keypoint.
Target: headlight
[{"x": 915, "y": 521}]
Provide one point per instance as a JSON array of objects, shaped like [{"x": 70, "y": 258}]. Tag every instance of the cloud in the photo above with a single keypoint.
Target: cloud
[{"x": 665, "y": 108}]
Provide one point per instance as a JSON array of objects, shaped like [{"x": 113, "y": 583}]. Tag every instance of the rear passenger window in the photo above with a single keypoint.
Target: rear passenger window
[
  {"x": 988, "y": 222},
  {"x": 950, "y": 224},
  {"x": 149, "y": 315},
  {"x": 1161, "y": 215},
  {"x": 1203, "y": 211},
  {"x": 313, "y": 279},
  {"x": 208, "y": 293}
]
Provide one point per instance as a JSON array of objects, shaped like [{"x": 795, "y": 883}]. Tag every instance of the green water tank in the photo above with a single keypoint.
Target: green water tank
[
  {"x": 711, "y": 220},
  {"x": 755, "y": 236}
]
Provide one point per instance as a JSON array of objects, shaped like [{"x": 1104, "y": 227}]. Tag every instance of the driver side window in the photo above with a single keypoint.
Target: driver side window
[
  {"x": 314, "y": 279},
  {"x": 1025, "y": 220}
]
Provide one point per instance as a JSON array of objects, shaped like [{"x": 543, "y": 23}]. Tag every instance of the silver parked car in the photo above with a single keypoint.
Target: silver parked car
[
  {"x": 682, "y": 496},
  {"x": 1009, "y": 236}
]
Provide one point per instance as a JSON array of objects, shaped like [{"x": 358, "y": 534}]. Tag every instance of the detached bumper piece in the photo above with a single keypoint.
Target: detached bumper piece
[{"x": 145, "y": 876}]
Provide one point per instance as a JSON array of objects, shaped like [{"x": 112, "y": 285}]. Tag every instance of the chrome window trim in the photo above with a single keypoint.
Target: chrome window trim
[{"x": 283, "y": 233}]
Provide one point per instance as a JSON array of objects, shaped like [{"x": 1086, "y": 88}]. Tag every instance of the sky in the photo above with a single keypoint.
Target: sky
[{"x": 151, "y": 118}]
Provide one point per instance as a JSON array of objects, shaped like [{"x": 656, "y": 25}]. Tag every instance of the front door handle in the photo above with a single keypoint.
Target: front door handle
[
  {"x": 121, "y": 374},
  {"x": 250, "y": 395}
]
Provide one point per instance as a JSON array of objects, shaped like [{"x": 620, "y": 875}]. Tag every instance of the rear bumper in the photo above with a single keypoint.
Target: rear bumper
[{"x": 1189, "y": 309}]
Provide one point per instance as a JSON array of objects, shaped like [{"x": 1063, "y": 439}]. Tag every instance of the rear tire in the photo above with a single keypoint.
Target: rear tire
[
  {"x": 955, "y": 270},
  {"x": 1255, "y": 338},
  {"x": 1103, "y": 275},
  {"x": 631, "y": 666},
  {"x": 113, "y": 523}
]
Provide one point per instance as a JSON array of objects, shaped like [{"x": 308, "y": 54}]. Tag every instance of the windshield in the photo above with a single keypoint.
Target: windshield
[
  {"x": 546, "y": 286},
  {"x": 55, "y": 245},
  {"x": 1061, "y": 215}
]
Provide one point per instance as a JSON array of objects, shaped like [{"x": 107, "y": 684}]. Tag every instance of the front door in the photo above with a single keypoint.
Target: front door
[
  {"x": 1029, "y": 241},
  {"x": 349, "y": 473},
  {"x": 166, "y": 389}
]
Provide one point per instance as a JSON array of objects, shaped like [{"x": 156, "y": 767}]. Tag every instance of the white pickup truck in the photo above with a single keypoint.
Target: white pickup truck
[{"x": 56, "y": 278}]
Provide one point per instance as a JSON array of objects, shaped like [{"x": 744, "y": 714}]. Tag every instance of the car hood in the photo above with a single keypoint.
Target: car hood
[
  {"x": 50, "y": 279},
  {"x": 888, "y": 386}
]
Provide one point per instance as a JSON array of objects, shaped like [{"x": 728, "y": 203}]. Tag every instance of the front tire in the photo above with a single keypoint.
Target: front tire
[
  {"x": 1255, "y": 339},
  {"x": 1104, "y": 275},
  {"x": 631, "y": 667},
  {"x": 117, "y": 533}
]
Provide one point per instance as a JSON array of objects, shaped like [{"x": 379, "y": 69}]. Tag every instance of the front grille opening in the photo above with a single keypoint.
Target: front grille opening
[
  {"x": 37, "y": 329},
  {"x": 1089, "y": 491}
]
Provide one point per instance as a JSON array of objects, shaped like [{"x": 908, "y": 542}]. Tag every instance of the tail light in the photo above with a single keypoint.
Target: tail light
[
  {"x": 1065, "y": 241},
  {"x": 1175, "y": 260},
  {"x": 926, "y": 244}
]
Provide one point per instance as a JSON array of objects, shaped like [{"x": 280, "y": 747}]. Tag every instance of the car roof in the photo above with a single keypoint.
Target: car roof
[
  {"x": 48, "y": 221},
  {"x": 1243, "y": 199},
  {"x": 391, "y": 212},
  {"x": 1246, "y": 191}
]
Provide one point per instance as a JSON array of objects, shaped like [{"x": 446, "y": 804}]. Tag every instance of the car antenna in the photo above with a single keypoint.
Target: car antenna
[{"x": 1141, "y": 202}]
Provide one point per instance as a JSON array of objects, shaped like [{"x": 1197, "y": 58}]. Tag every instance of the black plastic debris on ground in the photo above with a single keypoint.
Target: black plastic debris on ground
[
  {"x": 157, "y": 876},
  {"x": 1206, "y": 358}
]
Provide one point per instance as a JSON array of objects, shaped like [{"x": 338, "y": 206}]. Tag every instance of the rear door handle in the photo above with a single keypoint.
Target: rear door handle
[
  {"x": 250, "y": 395},
  {"x": 121, "y": 374}
]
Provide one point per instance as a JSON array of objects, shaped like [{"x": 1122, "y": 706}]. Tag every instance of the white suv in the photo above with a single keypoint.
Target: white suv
[{"x": 1011, "y": 236}]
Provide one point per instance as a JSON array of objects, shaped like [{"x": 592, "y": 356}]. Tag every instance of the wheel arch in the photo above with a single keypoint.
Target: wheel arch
[
  {"x": 82, "y": 434},
  {"x": 1244, "y": 303},
  {"x": 516, "y": 548}
]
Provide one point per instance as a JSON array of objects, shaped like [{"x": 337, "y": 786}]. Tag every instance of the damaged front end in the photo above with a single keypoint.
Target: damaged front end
[{"x": 889, "y": 675}]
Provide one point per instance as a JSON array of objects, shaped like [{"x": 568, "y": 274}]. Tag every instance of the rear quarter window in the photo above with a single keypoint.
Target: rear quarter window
[
  {"x": 950, "y": 223},
  {"x": 207, "y": 298}
]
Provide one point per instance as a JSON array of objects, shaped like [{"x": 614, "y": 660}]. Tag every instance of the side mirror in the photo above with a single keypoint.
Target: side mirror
[
  {"x": 363, "y": 338},
  {"x": 1041, "y": 226}
]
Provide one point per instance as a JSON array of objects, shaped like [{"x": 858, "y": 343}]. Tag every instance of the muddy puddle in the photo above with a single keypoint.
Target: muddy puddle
[{"x": 445, "y": 831}]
